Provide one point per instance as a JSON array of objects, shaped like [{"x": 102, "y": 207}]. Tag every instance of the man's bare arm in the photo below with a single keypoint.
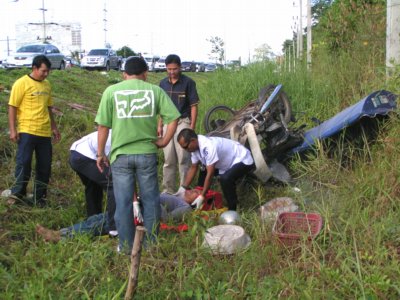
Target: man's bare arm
[
  {"x": 193, "y": 116},
  {"x": 12, "y": 117},
  {"x": 171, "y": 128},
  {"x": 54, "y": 129},
  {"x": 102, "y": 136}
]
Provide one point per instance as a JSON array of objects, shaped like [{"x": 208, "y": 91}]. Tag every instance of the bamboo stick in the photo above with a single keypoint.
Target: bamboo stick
[{"x": 135, "y": 262}]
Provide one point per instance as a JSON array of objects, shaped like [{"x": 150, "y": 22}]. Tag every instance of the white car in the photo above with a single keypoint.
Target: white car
[
  {"x": 25, "y": 55},
  {"x": 150, "y": 60},
  {"x": 159, "y": 65}
]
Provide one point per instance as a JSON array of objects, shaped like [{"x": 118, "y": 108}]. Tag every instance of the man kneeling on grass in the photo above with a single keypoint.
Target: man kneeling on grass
[{"x": 173, "y": 207}]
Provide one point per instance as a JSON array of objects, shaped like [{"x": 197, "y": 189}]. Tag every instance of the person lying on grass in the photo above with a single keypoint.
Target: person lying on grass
[{"x": 173, "y": 207}]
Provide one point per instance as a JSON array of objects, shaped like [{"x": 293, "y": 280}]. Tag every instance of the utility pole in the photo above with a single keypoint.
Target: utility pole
[
  {"x": 44, "y": 38},
  {"x": 105, "y": 24},
  {"x": 286, "y": 59},
  {"x": 309, "y": 39},
  {"x": 392, "y": 35},
  {"x": 151, "y": 43},
  {"x": 294, "y": 57},
  {"x": 295, "y": 41},
  {"x": 300, "y": 37},
  {"x": 8, "y": 44}
]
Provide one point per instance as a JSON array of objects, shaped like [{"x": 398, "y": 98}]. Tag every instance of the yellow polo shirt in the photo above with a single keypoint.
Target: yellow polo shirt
[{"x": 32, "y": 99}]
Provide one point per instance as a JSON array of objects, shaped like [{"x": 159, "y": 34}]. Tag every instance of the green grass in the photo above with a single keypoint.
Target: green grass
[{"x": 355, "y": 256}]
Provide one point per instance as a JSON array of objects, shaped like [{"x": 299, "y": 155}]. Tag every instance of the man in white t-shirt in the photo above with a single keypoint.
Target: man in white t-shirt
[
  {"x": 83, "y": 161},
  {"x": 227, "y": 157}
]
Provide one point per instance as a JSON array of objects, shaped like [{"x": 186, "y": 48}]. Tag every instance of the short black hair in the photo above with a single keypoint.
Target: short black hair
[
  {"x": 135, "y": 66},
  {"x": 187, "y": 134},
  {"x": 173, "y": 59},
  {"x": 39, "y": 60}
]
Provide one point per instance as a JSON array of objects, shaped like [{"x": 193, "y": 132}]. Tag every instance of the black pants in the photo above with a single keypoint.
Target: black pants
[
  {"x": 228, "y": 181},
  {"x": 27, "y": 145},
  {"x": 95, "y": 183}
]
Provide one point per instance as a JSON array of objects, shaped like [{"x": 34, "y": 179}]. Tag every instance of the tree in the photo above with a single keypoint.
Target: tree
[
  {"x": 287, "y": 46},
  {"x": 76, "y": 55},
  {"x": 262, "y": 53},
  {"x": 349, "y": 23},
  {"x": 217, "y": 49},
  {"x": 318, "y": 9},
  {"x": 125, "y": 51}
]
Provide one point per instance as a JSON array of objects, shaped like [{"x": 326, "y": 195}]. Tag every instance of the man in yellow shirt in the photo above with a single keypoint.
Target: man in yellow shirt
[{"x": 31, "y": 126}]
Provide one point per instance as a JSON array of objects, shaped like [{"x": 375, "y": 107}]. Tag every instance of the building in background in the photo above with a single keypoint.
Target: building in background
[{"x": 66, "y": 36}]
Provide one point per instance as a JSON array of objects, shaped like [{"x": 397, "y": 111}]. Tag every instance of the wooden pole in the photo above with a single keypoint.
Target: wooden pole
[{"x": 135, "y": 262}]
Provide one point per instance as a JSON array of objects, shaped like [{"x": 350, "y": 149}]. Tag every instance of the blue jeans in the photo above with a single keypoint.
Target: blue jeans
[
  {"x": 95, "y": 225},
  {"x": 173, "y": 208},
  {"x": 126, "y": 169},
  {"x": 28, "y": 144}
]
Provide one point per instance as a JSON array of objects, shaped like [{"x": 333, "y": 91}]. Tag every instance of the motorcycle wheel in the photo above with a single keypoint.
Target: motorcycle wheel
[
  {"x": 282, "y": 103},
  {"x": 217, "y": 116}
]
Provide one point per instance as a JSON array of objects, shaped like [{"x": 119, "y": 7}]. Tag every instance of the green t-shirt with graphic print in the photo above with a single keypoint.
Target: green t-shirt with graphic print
[{"x": 131, "y": 108}]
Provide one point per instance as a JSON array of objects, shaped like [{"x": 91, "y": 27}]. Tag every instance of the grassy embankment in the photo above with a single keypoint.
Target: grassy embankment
[{"x": 355, "y": 256}]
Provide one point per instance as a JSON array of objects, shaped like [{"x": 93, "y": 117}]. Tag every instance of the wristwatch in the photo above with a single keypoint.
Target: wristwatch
[{"x": 99, "y": 155}]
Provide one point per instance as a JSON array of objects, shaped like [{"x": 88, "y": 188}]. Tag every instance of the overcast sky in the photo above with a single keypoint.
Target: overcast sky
[{"x": 164, "y": 26}]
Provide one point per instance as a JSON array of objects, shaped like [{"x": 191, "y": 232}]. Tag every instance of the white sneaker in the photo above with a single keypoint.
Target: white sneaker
[
  {"x": 113, "y": 233},
  {"x": 6, "y": 193},
  {"x": 119, "y": 251}
]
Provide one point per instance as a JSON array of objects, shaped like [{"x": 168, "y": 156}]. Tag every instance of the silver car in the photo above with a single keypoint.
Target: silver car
[
  {"x": 210, "y": 68},
  {"x": 24, "y": 56}
]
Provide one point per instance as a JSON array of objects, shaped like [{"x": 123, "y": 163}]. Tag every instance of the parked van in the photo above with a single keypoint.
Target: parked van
[{"x": 151, "y": 60}]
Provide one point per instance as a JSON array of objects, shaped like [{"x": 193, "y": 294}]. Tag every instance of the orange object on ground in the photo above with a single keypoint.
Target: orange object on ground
[{"x": 177, "y": 228}]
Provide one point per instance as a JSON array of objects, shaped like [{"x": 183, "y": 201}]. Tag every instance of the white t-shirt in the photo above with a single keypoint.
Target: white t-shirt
[
  {"x": 223, "y": 152},
  {"x": 87, "y": 145}
]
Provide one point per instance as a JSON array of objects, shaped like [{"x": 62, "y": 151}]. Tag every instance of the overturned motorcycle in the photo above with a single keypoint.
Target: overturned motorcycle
[{"x": 266, "y": 127}]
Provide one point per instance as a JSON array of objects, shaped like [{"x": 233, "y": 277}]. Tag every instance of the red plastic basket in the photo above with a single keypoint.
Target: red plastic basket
[{"x": 292, "y": 227}]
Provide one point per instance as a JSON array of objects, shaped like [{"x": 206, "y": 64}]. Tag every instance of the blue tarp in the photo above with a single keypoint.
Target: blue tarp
[{"x": 378, "y": 103}]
